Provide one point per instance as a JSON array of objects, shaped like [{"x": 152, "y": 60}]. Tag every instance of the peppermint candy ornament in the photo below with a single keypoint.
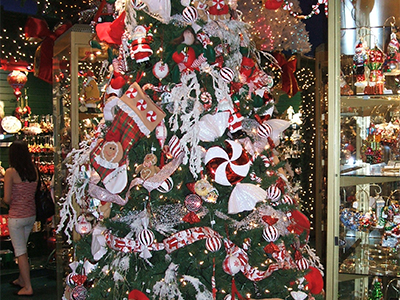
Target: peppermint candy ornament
[
  {"x": 206, "y": 99},
  {"x": 175, "y": 146},
  {"x": 273, "y": 194},
  {"x": 226, "y": 74},
  {"x": 264, "y": 130},
  {"x": 213, "y": 244},
  {"x": 232, "y": 265},
  {"x": 270, "y": 233},
  {"x": 227, "y": 167},
  {"x": 160, "y": 70}
]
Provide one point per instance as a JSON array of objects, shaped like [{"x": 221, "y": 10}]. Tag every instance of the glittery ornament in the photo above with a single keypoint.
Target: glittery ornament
[
  {"x": 193, "y": 202},
  {"x": 83, "y": 226},
  {"x": 79, "y": 292},
  {"x": 160, "y": 70}
]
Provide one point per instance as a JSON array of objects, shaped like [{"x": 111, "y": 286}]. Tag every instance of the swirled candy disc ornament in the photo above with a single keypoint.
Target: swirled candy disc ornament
[{"x": 227, "y": 166}]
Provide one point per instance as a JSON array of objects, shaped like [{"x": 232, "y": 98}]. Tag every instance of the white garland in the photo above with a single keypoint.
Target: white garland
[
  {"x": 77, "y": 182},
  {"x": 201, "y": 295},
  {"x": 167, "y": 288}
]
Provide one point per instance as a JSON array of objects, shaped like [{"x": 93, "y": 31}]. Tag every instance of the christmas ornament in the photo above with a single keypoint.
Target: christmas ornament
[
  {"x": 227, "y": 74},
  {"x": 300, "y": 223},
  {"x": 175, "y": 147},
  {"x": 264, "y": 130},
  {"x": 140, "y": 49},
  {"x": 286, "y": 199},
  {"x": 272, "y": 4},
  {"x": 359, "y": 60},
  {"x": 111, "y": 32},
  {"x": 146, "y": 238},
  {"x": 273, "y": 194},
  {"x": 213, "y": 244},
  {"x": 298, "y": 295},
  {"x": 218, "y": 9},
  {"x": 166, "y": 186},
  {"x": 193, "y": 203},
  {"x": 212, "y": 127},
  {"x": 190, "y": 16},
  {"x": 206, "y": 99},
  {"x": 148, "y": 168},
  {"x": 83, "y": 226},
  {"x": 160, "y": 70},
  {"x": 232, "y": 265},
  {"x": 244, "y": 197},
  {"x": 137, "y": 295},
  {"x": 17, "y": 80},
  {"x": 315, "y": 282},
  {"x": 393, "y": 55},
  {"x": 227, "y": 167},
  {"x": 374, "y": 63},
  {"x": 270, "y": 234},
  {"x": 161, "y": 133},
  {"x": 79, "y": 292},
  {"x": 302, "y": 264}
]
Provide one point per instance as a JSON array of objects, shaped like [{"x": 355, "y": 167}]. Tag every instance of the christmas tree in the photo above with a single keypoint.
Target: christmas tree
[
  {"x": 376, "y": 293},
  {"x": 181, "y": 191}
]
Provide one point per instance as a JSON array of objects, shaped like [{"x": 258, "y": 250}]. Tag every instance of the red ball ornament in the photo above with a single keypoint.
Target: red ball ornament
[
  {"x": 272, "y": 4},
  {"x": 17, "y": 80},
  {"x": 315, "y": 282},
  {"x": 213, "y": 244},
  {"x": 232, "y": 265}
]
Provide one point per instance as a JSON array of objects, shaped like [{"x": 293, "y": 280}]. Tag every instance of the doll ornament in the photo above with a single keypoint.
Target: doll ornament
[{"x": 148, "y": 168}]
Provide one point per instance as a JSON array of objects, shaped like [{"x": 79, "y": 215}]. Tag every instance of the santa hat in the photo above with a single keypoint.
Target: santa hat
[{"x": 111, "y": 32}]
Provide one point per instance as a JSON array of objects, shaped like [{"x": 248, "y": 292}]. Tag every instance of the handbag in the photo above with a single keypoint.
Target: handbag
[{"x": 45, "y": 207}]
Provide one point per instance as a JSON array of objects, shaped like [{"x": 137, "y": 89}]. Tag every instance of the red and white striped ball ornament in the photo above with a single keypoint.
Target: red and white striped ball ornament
[
  {"x": 146, "y": 237},
  {"x": 264, "y": 130},
  {"x": 227, "y": 74},
  {"x": 273, "y": 193},
  {"x": 166, "y": 186},
  {"x": 286, "y": 199},
  {"x": 190, "y": 14},
  {"x": 227, "y": 166},
  {"x": 270, "y": 233},
  {"x": 302, "y": 264},
  {"x": 175, "y": 146},
  {"x": 232, "y": 265},
  {"x": 213, "y": 244}
]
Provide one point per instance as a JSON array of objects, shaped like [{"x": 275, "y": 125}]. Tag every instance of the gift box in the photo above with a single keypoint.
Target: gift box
[{"x": 4, "y": 225}]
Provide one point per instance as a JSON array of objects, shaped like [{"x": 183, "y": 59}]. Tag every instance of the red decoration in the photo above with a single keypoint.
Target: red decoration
[
  {"x": 137, "y": 295},
  {"x": 289, "y": 83},
  {"x": 17, "y": 81},
  {"x": 315, "y": 282},
  {"x": 38, "y": 29},
  {"x": 272, "y": 4},
  {"x": 271, "y": 248},
  {"x": 300, "y": 223},
  {"x": 111, "y": 32},
  {"x": 270, "y": 220}
]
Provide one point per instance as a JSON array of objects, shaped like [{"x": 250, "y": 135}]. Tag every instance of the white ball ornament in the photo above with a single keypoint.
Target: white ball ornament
[
  {"x": 227, "y": 74},
  {"x": 270, "y": 233},
  {"x": 232, "y": 265},
  {"x": 160, "y": 70}
]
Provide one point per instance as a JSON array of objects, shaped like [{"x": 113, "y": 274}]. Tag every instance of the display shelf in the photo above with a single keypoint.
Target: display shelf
[{"x": 369, "y": 100}]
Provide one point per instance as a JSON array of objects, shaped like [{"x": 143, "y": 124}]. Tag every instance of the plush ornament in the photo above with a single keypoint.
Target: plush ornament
[
  {"x": 213, "y": 244},
  {"x": 140, "y": 49},
  {"x": 359, "y": 61},
  {"x": 166, "y": 186},
  {"x": 218, "y": 9},
  {"x": 90, "y": 93},
  {"x": 300, "y": 223},
  {"x": 111, "y": 32},
  {"x": 83, "y": 226},
  {"x": 148, "y": 168},
  {"x": 136, "y": 116},
  {"x": 315, "y": 282},
  {"x": 270, "y": 233},
  {"x": 137, "y": 295},
  {"x": 272, "y": 4},
  {"x": 227, "y": 167}
]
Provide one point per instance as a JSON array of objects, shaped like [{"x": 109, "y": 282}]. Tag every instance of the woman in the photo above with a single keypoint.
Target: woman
[{"x": 20, "y": 182}]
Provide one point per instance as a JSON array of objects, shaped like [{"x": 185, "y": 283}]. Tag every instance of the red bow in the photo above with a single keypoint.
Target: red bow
[
  {"x": 38, "y": 29},
  {"x": 289, "y": 83}
]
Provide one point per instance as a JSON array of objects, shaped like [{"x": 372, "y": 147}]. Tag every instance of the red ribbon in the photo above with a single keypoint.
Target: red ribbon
[
  {"x": 38, "y": 28},
  {"x": 289, "y": 83}
]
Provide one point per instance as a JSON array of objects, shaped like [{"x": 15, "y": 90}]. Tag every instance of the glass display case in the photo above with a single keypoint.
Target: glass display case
[
  {"x": 363, "y": 151},
  {"x": 75, "y": 61}
]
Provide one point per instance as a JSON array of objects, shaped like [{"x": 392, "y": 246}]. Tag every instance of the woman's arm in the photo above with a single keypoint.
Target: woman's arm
[{"x": 8, "y": 182}]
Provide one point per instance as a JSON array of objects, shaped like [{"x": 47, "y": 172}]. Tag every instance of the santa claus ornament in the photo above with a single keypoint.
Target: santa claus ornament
[{"x": 140, "y": 49}]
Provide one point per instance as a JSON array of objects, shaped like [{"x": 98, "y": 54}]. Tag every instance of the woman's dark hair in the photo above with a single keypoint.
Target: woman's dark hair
[{"x": 20, "y": 159}]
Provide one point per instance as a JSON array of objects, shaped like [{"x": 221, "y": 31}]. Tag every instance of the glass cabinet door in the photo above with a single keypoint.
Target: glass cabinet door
[{"x": 363, "y": 150}]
